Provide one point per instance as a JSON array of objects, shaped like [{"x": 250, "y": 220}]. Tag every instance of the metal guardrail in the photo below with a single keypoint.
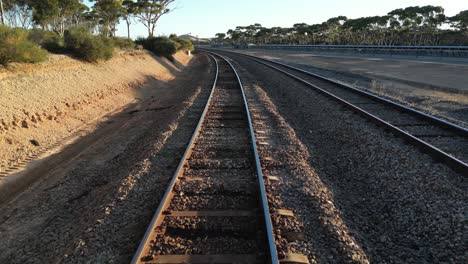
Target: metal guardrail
[{"x": 418, "y": 51}]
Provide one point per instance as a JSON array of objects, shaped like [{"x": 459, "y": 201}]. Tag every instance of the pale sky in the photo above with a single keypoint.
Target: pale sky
[{"x": 205, "y": 18}]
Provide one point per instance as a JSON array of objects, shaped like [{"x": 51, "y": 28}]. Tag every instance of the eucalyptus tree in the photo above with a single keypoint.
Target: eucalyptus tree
[
  {"x": 2, "y": 13},
  {"x": 251, "y": 32},
  {"x": 129, "y": 9},
  {"x": 109, "y": 13},
  {"x": 414, "y": 25},
  {"x": 263, "y": 35},
  {"x": 91, "y": 21},
  {"x": 57, "y": 14},
  {"x": 301, "y": 32},
  {"x": 418, "y": 23},
  {"x": 460, "y": 21},
  {"x": 367, "y": 30},
  {"x": 17, "y": 13},
  {"x": 219, "y": 37},
  {"x": 316, "y": 33},
  {"x": 280, "y": 35},
  {"x": 333, "y": 28},
  {"x": 78, "y": 15},
  {"x": 149, "y": 12},
  {"x": 234, "y": 34}
]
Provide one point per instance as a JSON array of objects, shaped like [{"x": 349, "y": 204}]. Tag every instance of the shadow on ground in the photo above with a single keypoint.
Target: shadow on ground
[{"x": 96, "y": 196}]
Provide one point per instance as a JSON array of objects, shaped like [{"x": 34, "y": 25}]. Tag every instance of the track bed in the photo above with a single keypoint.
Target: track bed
[{"x": 214, "y": 209}]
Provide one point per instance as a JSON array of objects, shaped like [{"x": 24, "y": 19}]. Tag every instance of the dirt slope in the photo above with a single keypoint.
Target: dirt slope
[
  {"x": 41, "y": 105},
  {"x": 97, "y": 195}
]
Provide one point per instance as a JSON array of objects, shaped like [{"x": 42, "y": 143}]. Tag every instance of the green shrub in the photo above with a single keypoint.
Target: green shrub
[
  {"x": 96, "y": 48},
  {"x": 160, "y": 46},
  {"x": 178, "y": 45},
  {"x": 183, "y": 44},
  {"x": 15, "y": 47},
  {"x": 140, "y": 41},
  {"x": 48, "y": 40},
  {"x": 87, "y": 47},
  {"x": 123, "y": 43}
]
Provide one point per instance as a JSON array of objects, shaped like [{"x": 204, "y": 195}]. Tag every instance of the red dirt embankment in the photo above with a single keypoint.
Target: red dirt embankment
[{"x": 41, "y": 105}]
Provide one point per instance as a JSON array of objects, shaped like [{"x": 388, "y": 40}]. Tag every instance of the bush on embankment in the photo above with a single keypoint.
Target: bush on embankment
[
  {"x": 20, "y": 45},
  {"x": 165, "y": 47},
  {"x": 183, "y": 44},
  {"x": 123, "y": 43},
  {"x": 161, "y": 46},
  {"x": 16, "y": 47},
  {"x": 88, "y": 47},
  {"x": 48, "y": 40}
]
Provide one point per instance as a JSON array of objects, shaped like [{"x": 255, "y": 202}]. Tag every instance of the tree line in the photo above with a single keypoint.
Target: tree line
[
  {"x": 102, "y": 18},
  {"x": 415, "y": 25}
]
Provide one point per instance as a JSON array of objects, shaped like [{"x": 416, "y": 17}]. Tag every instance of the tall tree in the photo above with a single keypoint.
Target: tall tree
[
  {"x": 109, "y": 13},
  {"x": 129, "y": 9},
  {"x": 56, "y": 13},
  {"x": 150, "y": 11},
  {"x": 220, "y": 36},
  {"x": 460, "y": 21},
  {"x": 2, "y": 13},
  {"x": 18, "y": 13}
]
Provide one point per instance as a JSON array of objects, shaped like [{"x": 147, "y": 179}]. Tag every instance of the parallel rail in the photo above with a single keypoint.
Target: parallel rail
[
  {"x": 215, "y": 209},
  {"x": 442, "y": 140}
]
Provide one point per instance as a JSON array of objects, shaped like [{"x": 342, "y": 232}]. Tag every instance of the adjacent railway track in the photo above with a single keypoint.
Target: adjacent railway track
[
  {"x": 215, "y": 209},
  {"x": 444, "y": 141}
]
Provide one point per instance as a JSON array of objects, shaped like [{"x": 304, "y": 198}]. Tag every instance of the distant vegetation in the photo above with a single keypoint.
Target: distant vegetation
[
  {"x": 30, "y": 28},
  {"x": 102, "y": 18},
  {"x": 426, "y": 25}
]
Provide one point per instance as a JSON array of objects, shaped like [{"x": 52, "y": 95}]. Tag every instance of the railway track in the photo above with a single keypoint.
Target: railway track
[
  {"x": 215, "y": 209},
  {"x": 444, "y": 141}
]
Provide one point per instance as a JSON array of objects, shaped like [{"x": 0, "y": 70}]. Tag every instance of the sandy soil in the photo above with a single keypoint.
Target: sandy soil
[
  {"x": 41, "y": 105},
  {"x": 95, "y": 205},
  {"x": 430, "y": 87}
]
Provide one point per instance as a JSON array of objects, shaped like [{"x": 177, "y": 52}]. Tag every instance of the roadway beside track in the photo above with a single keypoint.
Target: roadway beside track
[{"x": 446, "y": 75}]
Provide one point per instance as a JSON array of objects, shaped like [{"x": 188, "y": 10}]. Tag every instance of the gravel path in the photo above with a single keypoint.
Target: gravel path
[
  {"x": 361, "y": 194},
  {"x": 95, "y": 209}
]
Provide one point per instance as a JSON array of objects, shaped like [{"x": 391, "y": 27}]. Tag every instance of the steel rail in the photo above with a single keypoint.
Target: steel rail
[
  {"x": 435, "y": 152},
  {"x": 167, "y": 195},
  {"x": 164, "y": 204},
  {"x": 264, "y": 199}
]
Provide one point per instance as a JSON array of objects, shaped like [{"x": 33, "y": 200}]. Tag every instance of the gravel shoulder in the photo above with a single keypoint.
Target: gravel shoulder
[
  {"x": 436, "y": 88},
  {"x": 96, "y": 206},
  {"x": 361, "y": 194}
]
